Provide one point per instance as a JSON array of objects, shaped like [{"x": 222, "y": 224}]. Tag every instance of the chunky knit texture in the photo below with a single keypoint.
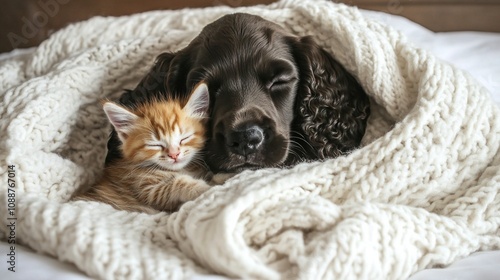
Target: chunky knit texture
[{"x": 423, "y": 190}]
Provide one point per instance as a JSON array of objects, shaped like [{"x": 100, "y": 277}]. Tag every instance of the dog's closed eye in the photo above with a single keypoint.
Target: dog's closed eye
[{"x": 279, "y": 74}]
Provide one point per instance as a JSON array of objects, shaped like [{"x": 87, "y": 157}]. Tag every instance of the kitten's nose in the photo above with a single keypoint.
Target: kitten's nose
[{"x": 173, "y": 153}]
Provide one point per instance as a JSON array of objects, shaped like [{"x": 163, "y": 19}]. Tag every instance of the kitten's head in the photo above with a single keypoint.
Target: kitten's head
[{"x": 163, "y": 133}]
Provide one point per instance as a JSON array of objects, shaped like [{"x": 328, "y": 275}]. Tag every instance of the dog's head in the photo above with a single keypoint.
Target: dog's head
[
  {"x": 253, "y": 79},
  {"x": 274, "y": 98}
]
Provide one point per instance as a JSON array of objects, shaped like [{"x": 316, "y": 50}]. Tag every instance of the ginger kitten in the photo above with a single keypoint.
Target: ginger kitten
[{"x": 160, "y": 143}]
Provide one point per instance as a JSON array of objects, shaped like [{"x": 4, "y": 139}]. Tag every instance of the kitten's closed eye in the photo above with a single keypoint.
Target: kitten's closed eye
[
  {"x": 155, "y": 146},
  {"x": 186, "y": 139}
]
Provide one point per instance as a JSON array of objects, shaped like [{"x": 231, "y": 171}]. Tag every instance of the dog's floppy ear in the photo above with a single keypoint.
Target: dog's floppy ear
[
  {"x": 331, "y": 108},
  {"x": 165, "y": 78}
]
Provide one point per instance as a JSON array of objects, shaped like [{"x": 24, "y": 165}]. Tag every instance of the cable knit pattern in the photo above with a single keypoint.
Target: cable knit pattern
[{"x": 423, "y": 190}]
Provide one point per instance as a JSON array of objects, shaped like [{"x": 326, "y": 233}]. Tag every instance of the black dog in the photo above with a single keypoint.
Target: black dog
[{"x": 275, "y": 98}]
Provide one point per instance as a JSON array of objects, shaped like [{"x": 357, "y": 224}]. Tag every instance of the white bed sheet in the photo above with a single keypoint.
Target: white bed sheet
[{"x": 476, "y": 52}]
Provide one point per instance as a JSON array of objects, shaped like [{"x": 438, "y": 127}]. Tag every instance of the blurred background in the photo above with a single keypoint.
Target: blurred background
[{"x": 26, "y": 23}]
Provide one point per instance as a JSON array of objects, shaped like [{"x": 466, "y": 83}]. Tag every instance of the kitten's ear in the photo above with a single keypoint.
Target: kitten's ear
[
  {"x": 121, "y": 119},
  {"x": 197, "y": 105}
]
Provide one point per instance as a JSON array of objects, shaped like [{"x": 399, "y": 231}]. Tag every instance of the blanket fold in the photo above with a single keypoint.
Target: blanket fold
[{"x": 422, "y": 191}]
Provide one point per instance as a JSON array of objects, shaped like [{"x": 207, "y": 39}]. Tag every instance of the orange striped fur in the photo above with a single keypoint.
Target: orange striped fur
[{"x": 161, "y": 167}]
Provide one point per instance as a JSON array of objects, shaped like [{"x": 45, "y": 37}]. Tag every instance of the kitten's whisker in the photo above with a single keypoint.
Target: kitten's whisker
[{"x": 200, "y": 162}]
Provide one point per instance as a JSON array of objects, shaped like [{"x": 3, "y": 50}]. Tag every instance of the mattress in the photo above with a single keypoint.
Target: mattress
[{"x": 476, "y": 52}]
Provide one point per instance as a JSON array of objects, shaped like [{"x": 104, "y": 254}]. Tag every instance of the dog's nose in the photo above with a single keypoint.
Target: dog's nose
[{"x": 246, "y": 140}]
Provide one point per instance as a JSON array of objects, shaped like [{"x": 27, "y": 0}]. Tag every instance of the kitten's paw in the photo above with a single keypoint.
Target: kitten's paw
[
  {"x": 221, "y": 178},
  {"x": 203, "y": 186},
  {"x": 198, "y": 187}
]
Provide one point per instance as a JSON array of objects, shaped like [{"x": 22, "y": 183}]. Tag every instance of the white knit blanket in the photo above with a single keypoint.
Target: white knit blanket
[{"x": 423, "y": 190}]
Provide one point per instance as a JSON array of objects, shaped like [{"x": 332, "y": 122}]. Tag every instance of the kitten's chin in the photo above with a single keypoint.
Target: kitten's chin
[
  {"x": 174, "y": 166},
  {"x": 177, "y": 166}
]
